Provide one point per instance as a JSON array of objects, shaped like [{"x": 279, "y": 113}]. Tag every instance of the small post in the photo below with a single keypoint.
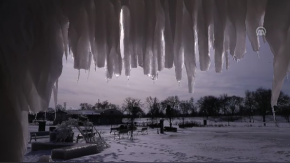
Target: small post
[{"x": 161, "y": 126}]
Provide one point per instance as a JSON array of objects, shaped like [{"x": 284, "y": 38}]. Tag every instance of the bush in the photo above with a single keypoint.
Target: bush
[
  {"x": 154, "y": 125},
  {"x": 170, "y": 129},
  {"x": 189, "y": 124}
]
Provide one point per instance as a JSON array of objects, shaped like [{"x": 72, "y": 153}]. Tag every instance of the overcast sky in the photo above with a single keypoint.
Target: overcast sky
[{"x": 249, "y": 73}]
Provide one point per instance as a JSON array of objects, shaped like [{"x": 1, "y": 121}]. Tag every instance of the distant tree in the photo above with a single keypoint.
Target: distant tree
[
  {"x": 59, "y": 108},
  {"x": 105, "y": 105},
  {"x": 235, "y": 105},
  {"x": 102, "y": 105},
  {"x": 249, "y": 103},
  {"x": 114, "y": 106},
  {"x": 235, "y": 102},
  {"x": 169, "y": 114},
  {"x": 283, "y": 108},
  {"x": 86, "y": 106},
  {"x": 173, "y": 101},
  {"x": 154, "y": 107},
  {"x": 262, "y": 99},
  {"x": 224, "y": 103},
  {"x": 284, "y": 111},
  {"x": 283, "y": 100},
  {"x": 192, "y": 109},
  {"x": 171, "y": 106},
  {"x": 132, "y": 106},
  {"x": 185, "y": 107},
  {"x": 209, "y": 106},
  {"x": 130, "y": 103}
]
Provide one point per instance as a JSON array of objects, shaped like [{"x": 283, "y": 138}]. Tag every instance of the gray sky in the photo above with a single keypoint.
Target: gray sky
[{"x": 249, "y": 73}]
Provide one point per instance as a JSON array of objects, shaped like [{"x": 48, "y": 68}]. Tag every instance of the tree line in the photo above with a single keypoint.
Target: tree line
[{"x": 254, "y": 103}]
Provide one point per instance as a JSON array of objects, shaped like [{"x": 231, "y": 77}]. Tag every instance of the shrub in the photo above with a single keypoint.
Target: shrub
[
  {"x": 64, "y": 130},
  {"x": 153, "y": 125},
  {"x": 189, "y": 124}
]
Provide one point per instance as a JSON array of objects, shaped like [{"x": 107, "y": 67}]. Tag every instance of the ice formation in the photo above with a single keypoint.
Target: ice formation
[{"x": 155, "y": 34}]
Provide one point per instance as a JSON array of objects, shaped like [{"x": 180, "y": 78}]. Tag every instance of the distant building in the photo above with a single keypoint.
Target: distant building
[{"x": 99, "y": 117}]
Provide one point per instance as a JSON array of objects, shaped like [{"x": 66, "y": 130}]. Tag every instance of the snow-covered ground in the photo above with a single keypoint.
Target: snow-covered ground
[{"x": 237, "y": 142}]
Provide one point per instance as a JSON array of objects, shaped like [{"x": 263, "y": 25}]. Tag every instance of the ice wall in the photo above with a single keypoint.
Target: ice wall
[{"x": 155, "y": 34}]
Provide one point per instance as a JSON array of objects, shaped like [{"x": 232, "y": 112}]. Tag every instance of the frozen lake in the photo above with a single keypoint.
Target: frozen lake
[{"x": 232, "y": 143}]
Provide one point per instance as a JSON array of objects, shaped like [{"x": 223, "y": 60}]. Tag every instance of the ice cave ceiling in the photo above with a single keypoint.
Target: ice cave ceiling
[{"x": 123, "y": 34}]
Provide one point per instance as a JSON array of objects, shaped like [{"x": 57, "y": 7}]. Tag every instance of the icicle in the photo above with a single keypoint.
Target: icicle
[
  {"x": 189, "y": 46},
  {"x": 149, "y": 30},
  {"x": 133, "y": 8},
  {"x": 101, "y": 33},
  {"x": 55, "y": 89},
  {"x": 126, "y": 42},
  {"x": 159, "y": 36},
  {"x": 274, "y": 117},
  {"x": 64, "y": 28},
  {"x": 202, "y": 28},
  {"x": 178, "y": 49},
  {"x": 255, "y": 10},
  {"x": 237, "y": 11},
  {"x": 219, "y": 28},
  {"x": 258, "y": 54},
  {"x": 168, "y": 39},
  {"x": 128, "y": 81},
  {"x": 226, "y": 47},
  {"x": 88, "y": 75},
  {"x": 79, "y": 75},
  {"x": 83, "y": 44},
  {"x": 278, "y": 38}
]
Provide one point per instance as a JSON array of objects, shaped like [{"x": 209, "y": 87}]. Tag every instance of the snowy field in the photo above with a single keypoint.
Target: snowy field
[{"x": 237, "y": 142}]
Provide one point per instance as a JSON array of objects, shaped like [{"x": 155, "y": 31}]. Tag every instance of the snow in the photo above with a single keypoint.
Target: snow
[{"x": 237, "y": 142}]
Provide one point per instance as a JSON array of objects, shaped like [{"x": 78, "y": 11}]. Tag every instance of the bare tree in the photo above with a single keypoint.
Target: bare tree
[
  {"x": 132, "y": 106},
  {"x": 209, "y": 106},
  {"x": 284, "y": 111},
  {"x": 154, "y": 107},
  {"x": 284, "y": 106},
  {"x": 224, "y": 103},
  {"x": 235, "y": 103},
  {"x": 185, "y": 107},
  {"x": 102, "y": 105},
  {"x": 86, "y": 106},
  {"x": 249, "y": 103},
  {"x": 171, "y": 104},
  {"x": 262, "y": 99}
]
